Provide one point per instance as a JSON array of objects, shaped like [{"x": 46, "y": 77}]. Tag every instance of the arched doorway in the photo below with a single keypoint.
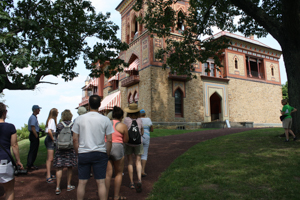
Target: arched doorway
[{"x": 215, "y": 107}]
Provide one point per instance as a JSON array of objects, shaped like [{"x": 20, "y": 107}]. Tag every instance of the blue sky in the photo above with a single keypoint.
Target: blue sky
[{"x": 67, "y": 95}]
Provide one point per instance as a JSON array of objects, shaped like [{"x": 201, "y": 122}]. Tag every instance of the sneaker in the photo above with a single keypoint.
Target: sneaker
[
  {"x": 295, "y": 138},
  {"x": 286, "y": 140}
]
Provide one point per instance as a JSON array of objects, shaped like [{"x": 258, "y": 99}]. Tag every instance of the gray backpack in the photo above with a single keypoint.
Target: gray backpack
[{"x": 65, "y": 139}]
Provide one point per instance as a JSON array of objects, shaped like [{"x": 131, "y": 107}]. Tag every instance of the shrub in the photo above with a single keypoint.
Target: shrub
[{"x": 23, "y": 133}]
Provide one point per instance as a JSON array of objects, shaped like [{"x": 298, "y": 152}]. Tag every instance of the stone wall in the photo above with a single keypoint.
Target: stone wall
[
  {"x": 251, "y": 101},
  {"x": 163, "y": 101}
]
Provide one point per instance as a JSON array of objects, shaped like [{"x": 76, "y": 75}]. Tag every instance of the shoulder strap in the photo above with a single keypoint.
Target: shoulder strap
[
  {"x": 11, "y": 158},
  {"x": 63, "y": 124},
  {"x": 70, "y": 124},
  {"x": 116, "y": 124}
]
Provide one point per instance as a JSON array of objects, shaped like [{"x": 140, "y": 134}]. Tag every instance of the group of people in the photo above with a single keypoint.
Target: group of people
[{"x": 100, "y": 145}]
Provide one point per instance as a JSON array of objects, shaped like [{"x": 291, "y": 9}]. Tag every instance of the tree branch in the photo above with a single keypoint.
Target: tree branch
[{"x": 261, "y": 17}]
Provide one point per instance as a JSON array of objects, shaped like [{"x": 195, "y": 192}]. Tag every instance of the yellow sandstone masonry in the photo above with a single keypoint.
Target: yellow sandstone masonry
[{"x": 256, "y": 102}]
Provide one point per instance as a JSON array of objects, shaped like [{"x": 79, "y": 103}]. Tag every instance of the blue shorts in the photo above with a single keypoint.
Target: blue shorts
[{"x": 97, "y": 160}]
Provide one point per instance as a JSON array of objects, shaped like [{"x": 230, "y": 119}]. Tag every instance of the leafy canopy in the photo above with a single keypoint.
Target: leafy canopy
[
  {"x": 254, "y": 17},
  {"x": 50, "y": 36}
]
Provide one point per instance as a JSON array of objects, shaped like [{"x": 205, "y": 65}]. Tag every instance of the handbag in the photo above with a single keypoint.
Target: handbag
[
  {"x": 17, "y": 169},
  {"x": 282, "y": 117}
]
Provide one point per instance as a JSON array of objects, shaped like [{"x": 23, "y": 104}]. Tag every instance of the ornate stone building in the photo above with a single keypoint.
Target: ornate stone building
[{"x": 247, "y": 89}]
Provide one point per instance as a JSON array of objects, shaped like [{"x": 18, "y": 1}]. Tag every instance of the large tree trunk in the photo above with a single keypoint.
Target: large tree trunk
[{"x": 291, "y": 54}]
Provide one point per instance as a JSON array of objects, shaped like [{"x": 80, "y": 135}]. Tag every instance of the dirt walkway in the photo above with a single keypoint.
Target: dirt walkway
[{"x": 162, "y": 152}]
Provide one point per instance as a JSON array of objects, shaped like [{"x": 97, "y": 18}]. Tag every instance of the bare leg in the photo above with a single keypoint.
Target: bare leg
[
  {"x": 130, "y": 167},
  {"x": 119, "y": 166},
  {"x": 58, "y": 176},
  {"x": 69, "y": 178},
  {"x": 109, "y": 172},
  {"x": 286, "y": 133},
  {"x": 49, "y": 162},
  {"x": 81, "y": 189},
  {"x": 101, "y": 189},
  {"x": 9, "y": 190},
  {"x": 143, "y": 166},
  {"x": 291, "y": 132},
  {"x": 138, "y": 165}
]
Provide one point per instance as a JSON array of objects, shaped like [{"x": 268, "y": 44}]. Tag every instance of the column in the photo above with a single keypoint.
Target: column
[{"x": 249, "y": 68}]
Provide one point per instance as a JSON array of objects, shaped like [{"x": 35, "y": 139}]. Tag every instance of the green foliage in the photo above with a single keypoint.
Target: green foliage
[
  {"x": 1, "y": 97},
  {"x": 256, "y": 17},
  {"x": 50, "y": 36},
  {"x": 285, "y": 94},
  {"x": 23, "y": 133},
  {"x": 249, "y": 165}
]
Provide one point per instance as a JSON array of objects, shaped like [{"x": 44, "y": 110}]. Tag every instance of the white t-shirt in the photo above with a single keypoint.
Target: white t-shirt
[
  {"x": 147, "y": 123},
  {"x": 51, "y": 126},
  {"x": 92, "y": 128}
]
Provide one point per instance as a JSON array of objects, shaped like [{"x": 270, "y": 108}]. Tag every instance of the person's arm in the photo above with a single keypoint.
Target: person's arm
[
  {"x": 15, "y": 149},
  {"x": 108, "y": 143},
  {"x": 75, "y": 142},
  {"x": 142, "y": 130},
  {"x": 122, "y": 128},
  {"x": 294, "y": 110},
  {"x": 34, "y": 131}
]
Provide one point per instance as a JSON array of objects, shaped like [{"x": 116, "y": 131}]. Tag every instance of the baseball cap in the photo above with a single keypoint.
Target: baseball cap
[
  {"x": 142, "y": 111},
  {"x": 36, "y": 107}
]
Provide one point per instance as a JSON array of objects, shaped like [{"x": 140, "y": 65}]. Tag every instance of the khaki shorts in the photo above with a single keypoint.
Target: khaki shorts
[
  {"x": 137, "y": 150},
  {"x": 287, "y": 123}
]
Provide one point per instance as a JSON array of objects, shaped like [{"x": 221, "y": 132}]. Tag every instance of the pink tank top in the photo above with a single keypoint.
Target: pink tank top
[{"x": 117, "y": 137}]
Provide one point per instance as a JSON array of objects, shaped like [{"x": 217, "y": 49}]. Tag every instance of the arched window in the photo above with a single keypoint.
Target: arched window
[
  {"x": 134, "y": 28},
  {"x": 180, "y": 21},
  {"x": 130, "y": 98},
  {"x": 168, "y": 12},
  {"x": 136, "y": 97},
  {"x": 236, "y": 63},
  {"x": 128, "y": 34},
  {"x": 140, "y": 26},
  {"x": 178, "y": 103},
  {"x": 272, "y": 71}
]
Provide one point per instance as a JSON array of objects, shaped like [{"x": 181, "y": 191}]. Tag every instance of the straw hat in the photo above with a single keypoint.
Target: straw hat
[{"x": 132, "y": 108}]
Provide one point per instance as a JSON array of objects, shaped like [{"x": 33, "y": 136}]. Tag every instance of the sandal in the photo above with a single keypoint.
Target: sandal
[
  {"x": 49, "y": 180},
  {"x": 70, "y": 187},
  {"x": 144, "y": 174},
  {"x": 138, "y": 187},
  {"x": 53, "y": 176},
  {"x": 131, "y": 186},
  {"x": 57, "y": 191}
]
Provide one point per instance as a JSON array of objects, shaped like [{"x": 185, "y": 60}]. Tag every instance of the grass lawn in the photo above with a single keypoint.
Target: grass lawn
[
  {"x": 24, "y": 148},
  {"x": 166, "y": 132},
  {"x": 250, "y": 165}
]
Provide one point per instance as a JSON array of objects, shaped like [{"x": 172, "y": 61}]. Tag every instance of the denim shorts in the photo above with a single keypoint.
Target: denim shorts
[
  {"x": 49, "y": 143},
  {"x": 95, "y": 159}
]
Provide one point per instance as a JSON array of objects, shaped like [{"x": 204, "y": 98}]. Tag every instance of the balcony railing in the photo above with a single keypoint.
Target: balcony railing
[
  {"x": 255, "y": 74},
  {"x": 131, "y": 80},
  {"x": 176, "y": 77}
]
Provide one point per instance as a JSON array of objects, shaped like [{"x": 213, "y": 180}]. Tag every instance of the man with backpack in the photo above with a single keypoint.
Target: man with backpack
[
  {"x": 89, "y": 143},
  {"x": 134, "y": 145}
]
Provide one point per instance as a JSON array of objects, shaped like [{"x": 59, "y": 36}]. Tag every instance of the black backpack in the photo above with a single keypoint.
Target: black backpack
[{"x": 134, "y": 134}]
